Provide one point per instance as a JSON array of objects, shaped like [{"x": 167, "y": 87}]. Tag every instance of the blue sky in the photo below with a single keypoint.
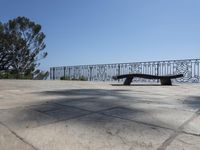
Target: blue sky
[{"x": 111, "y": 31}]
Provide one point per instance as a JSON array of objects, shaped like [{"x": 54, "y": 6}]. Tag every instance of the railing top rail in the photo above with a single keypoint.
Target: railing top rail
[{"x": 159, "y": 61}]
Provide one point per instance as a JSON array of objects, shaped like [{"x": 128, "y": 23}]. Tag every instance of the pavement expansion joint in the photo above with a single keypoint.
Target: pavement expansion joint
[
  {"x": 139, "y": 122},
  {"x": 168, "y": 141},
  {"x": 17, "y": 136}
]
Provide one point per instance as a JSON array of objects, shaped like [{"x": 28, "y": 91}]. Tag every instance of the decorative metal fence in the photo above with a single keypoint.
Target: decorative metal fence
[{"x": 104, "y": 72}]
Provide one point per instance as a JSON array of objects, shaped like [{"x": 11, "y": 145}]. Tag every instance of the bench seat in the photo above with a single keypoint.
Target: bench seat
[{"x": 165, "y": 80}]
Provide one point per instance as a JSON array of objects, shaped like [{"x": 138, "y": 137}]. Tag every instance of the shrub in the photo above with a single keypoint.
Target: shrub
[
  {"x": 64, "y": 78},
  {"x": 11, "y": 75},
  {"x": 81, "y": 78}
]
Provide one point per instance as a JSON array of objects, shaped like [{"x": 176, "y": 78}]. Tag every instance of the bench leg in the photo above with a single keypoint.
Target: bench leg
[
  {"x": 128, "y": 81},
  {"x": 166, "y": 81}
]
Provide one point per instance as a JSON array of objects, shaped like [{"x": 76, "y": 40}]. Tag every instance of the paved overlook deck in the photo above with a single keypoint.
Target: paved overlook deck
[{"x": 72, "y": 115}]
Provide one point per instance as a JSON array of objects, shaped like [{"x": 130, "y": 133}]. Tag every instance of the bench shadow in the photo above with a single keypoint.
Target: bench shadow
[{"x": 141, "y": 84}]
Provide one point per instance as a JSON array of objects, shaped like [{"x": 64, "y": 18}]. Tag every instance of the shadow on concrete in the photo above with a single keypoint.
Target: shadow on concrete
[
  {"x": 116, "y": 115},
  {"x": 142, "y": 84},
  {"x": 78, "y": 104},
  {"x": 192, "y": 102}
]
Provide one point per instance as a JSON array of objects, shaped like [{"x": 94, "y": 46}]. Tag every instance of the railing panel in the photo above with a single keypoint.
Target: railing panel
[{"x": 190, "y": 68}]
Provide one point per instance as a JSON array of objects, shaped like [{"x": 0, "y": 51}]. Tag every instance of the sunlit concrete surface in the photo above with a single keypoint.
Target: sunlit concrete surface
[{"x": 75, "y": 115}]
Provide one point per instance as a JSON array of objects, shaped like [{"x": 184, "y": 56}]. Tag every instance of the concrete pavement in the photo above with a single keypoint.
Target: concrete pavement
[{"x": 75, "y": 115}]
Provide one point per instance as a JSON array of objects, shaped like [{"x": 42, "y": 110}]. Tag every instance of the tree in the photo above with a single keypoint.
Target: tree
[
  {"x": 5, "y": 43},
  {"x": 21, "y": 46}
]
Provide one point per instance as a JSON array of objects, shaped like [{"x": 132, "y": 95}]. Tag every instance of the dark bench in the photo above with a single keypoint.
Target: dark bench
[{"x": 165, "y": 80}]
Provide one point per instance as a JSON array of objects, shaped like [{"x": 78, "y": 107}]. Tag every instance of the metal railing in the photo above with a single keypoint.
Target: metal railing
[{"x": 190, "y": 68}]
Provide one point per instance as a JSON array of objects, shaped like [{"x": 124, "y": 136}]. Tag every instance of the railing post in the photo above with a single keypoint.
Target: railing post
[
  {"x": 69, "y": 73},
  {"x": 64, "y": 71},
  {"x": 53, "y": 73},
  {"x": 50, "y": 74},
  {"x": 90, "y": 73},
  {"x": 118, "y": 71},
  {"x": 157, "y": 71}
]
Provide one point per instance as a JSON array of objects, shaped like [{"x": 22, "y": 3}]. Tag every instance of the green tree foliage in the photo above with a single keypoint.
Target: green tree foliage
[
  {"x": 21, "y": 47},
  {"x": 5, "y": 53}
]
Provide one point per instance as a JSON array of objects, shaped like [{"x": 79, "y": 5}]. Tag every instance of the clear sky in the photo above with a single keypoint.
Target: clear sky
[{"x": 111, "y": 31}]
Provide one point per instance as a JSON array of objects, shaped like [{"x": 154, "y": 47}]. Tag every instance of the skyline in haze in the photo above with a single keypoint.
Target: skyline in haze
[{"x": 112, "y": 31}]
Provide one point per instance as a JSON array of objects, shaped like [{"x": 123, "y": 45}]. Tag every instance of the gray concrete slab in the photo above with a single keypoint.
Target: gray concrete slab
[
  {"x": 185, "y": 142},
  {"x": 9, "y": 141},
  {"x": 167, "y": 118},
  {"x": 91, "y": 104},
  {"x": 193, "y": 127},
  {"x": 96, "y": 132},
  {"x": 21, "y": 118},
  {"x": 46, "y": 107},
  {"x": 67, "y": 113}
]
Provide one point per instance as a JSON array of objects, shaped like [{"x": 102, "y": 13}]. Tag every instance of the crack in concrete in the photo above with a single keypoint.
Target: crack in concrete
[
  {"x": 198, "y": 135},
  {"x": 139, "y": 122},
  {"x": 17, "y": 136},
  {"x": 176, "y": 132},
  {"x": 94, "y": 111}
]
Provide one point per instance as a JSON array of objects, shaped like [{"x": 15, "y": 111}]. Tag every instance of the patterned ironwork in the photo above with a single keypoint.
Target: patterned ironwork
[{"x": 104, "y": 72}]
